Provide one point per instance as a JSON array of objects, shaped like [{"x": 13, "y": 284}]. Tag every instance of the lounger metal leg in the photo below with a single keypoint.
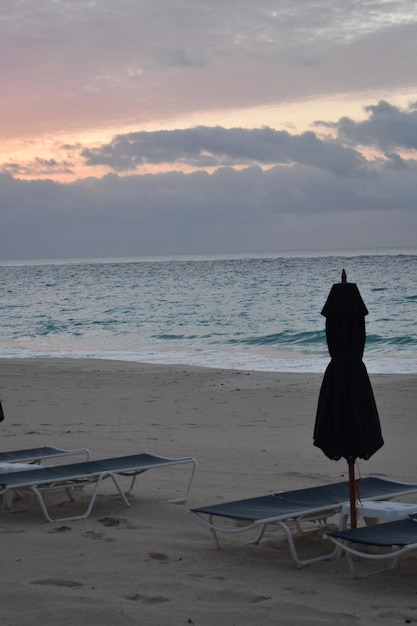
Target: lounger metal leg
[
  {"x": 133, "y": 481},
  {"x": 353, "y": 559},
  {"x": 215, "y": 537},
  {"x": 9, "y": 496},
  {"x": 355, "y": 554},
  {"x": 260, "y": 534},
  {"x": 120, "y": 490},
  {"x": 45, "y": 511},
  {"x": 213, "y": 530},
  {"x": 40, "y": 497},
  {"x": 303, "y": 562},
  {"x": 183, "y": 498},
  {"x": 8, "y": 500},
  {"x": 356, "y": 574}
]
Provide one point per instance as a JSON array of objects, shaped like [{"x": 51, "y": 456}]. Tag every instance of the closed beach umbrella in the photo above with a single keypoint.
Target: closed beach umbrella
[{"x": 347, "y": 423}]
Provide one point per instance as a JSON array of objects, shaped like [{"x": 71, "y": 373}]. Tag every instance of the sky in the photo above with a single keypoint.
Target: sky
[{"x": 162, "y": 127}]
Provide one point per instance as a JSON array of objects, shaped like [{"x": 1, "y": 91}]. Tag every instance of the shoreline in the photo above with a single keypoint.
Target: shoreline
[
  {"x": 251, "y": 433},
  {"x": 288, "y": 365}
]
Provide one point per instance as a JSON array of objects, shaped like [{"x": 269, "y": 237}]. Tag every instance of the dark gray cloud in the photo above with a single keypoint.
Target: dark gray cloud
[
  {"x": 387, "y": 127},
  {"x": 38, "y": 167},
  {"x": 285, "y": 207},
  {"x": 205, "y": 147}
]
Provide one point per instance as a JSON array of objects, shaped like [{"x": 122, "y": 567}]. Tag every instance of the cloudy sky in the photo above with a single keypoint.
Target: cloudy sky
[{"x": 158, "y": 127}]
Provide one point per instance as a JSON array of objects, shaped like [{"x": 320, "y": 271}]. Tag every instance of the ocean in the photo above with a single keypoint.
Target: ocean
[{"x": 250, "y": 312}]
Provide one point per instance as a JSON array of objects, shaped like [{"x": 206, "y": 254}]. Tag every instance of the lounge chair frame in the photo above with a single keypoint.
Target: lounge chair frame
[
  {"x": 319, "y": 519},
  {"x": 292, "y": 509},
  {"x": 73, "y": 476},
  {"x": 376, "y": 543}
]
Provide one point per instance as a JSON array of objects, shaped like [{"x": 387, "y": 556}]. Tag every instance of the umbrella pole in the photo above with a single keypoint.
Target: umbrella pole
[{"x": 352, "y": 493}]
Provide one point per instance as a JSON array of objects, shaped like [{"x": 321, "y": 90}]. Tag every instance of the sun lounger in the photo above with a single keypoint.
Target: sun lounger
[
  {"x": 289, "y": 509},
  {"x": 21, "y": 460},
  {"x": 379, "y": 542},
  {"x": 41, "y": 481},
  {"x": 37, "y": 455}
]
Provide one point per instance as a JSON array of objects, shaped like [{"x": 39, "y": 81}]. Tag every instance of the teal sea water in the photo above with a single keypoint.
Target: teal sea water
[{"x": 258, "y": 312}]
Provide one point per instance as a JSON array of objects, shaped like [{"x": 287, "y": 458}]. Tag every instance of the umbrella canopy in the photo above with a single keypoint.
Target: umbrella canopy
[{"x": 347, "y": 422}]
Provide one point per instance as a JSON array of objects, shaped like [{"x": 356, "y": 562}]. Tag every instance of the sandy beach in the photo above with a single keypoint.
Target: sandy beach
[{"x": 154, "y": 563}]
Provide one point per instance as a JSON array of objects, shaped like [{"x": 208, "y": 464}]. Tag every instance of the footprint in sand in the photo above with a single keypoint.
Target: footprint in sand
[
  {"x": 60, "y": 529},
  {"x": 158, "y": 556},
  {"x": 91, "y": 534},
  {"x": 110, "y": 521},
  {"x": 118, "y": 522},
  {"x": 138, "y": 597}
]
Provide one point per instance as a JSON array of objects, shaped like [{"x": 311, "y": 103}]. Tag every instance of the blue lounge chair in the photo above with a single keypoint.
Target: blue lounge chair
[
  {"x": 37, "y": 455},
  {"x": 292, "y": 508},
  {"x": 40, "y": 481},
  {"x": 21, "y": 460},
  {"x": 391, "y": 539}
]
